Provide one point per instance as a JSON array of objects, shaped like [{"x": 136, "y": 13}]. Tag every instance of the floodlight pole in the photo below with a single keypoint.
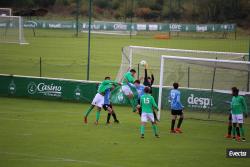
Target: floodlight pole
[
  {"x": 248, "y": 77},
  {"x": 89, "y": 35},
  {"x": 131, "y": 18}
]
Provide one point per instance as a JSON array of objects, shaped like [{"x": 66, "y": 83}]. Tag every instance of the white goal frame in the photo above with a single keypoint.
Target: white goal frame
[
  {"x": 21, "y": 40},
  {"x": 194, "y": 61},
  {"x": 7, "y": 9},
  {"x": 128, "y": 55}
]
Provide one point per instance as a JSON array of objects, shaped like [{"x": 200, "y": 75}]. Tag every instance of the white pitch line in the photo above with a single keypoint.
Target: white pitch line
[
  {"x": 38, "y": 121},
  {"x": 37, "y": 111},
  {"x": 34, "y": 159},
  {"x": 16, "y": 119},
  {"x": 46, "y": 158}
]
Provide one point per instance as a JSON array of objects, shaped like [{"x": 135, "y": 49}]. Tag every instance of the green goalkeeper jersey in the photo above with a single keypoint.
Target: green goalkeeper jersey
[
  {"x": 238, "y": 105},
  {"x": 106, "y": 84},
  {"x": 128, "y": 78},
  {"x": 148, "y": 103}
]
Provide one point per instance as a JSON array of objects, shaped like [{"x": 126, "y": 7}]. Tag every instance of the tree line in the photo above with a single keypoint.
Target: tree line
[{"x": 198, "y": 11}]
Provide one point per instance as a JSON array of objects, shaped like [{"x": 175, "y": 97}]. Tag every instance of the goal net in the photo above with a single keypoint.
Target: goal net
[
  {"x": 5, "y": 11},
  {"x": 210, "y": 82},
  {"x": 133, "y": 55},
  {"x": 11, "y": 30},
  {"x": 195, "y": 80}
]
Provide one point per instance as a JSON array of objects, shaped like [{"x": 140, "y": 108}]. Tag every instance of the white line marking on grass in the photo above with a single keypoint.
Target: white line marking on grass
[
  {"x": 38, "y": 111},
  {"x": 16, "y": 119},
  {"x": 43, "y": 122},
  {"x": 53, "y": 159},
  {"x": 24, "y": 134}
]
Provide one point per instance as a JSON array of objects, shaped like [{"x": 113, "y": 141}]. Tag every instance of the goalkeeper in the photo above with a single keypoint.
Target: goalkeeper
[{"x": 148, "y": 81}]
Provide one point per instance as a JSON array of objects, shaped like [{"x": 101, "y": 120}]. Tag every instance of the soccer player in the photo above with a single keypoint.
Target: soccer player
[
  {"x": 129, "y": 77},
  {"x": 148, "y": 81},
  {"x": 140, "y": 91},
  {"x": 238, "y": 106},
  {"x": 113, "y": 115},
  {"x": 230, "y": 124},
  {"x": 108, "y": 106},
  {"x": 148, "y": 105},
  {"x": 176, "y": 108},
  {"x": 98, "y": 100}
]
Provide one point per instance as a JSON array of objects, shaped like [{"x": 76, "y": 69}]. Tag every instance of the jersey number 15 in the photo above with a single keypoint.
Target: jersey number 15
[{"x": 146, "y": 100}]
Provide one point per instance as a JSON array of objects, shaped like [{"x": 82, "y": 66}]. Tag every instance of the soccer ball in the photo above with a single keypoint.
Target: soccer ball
[{"x": 143, "y": 62}]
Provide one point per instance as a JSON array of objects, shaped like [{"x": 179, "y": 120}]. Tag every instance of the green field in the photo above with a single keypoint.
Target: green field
[
  {"x": 64, "y": 56},
  {"x": 48, "y": 133},
  {"x": 43, "y": 133}
]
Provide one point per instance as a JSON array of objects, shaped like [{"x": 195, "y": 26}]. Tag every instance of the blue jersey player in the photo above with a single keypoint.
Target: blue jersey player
[
  {"x": 108, "y": 106},
  {"x": 176, "y": 108}
]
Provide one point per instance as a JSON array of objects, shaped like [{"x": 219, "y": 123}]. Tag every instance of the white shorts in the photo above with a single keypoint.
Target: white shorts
[
  {"x": 126, "y": 90},
  {"x": 237, "y": 118},
  {"x": 98, "y": 100},
  {"x": 145, "y": 117}
]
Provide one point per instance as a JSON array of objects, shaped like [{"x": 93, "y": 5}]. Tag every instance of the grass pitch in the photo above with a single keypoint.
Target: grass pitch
[
  {"x": 64, "y": 56},
  {"x": 42, "y": 133},
  {"x": 37, "y": 133}
]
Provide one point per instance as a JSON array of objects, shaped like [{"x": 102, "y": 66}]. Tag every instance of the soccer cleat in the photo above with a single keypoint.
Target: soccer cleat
[
  {"x": 157, "y": 136},
  {"x": 107, "y": 123},
  {"x": 228, "y": 136},
  {"x": 142, "y": 136},
  {"x": 178, "y": 130},
  {"x": 172, "y": 131},
  {"x": 96, "y": 122},
  {"x": 237, "y": 138},
  {"x": 85, "y": 120},
  {"x": 243, "y": 139},
  {"x": 116, "y": 121}
]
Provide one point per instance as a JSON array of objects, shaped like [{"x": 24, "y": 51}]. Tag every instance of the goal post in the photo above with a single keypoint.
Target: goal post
[
  {"x": 133, "y": 55},
  {"x": 229, "y": 73},
  {"x": 11, "y": 30},
  {"x": 5, "y": 12}
]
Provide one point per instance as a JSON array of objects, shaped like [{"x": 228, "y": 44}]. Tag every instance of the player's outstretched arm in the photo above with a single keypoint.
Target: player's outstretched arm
[{"x": 152, "y": 79}]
